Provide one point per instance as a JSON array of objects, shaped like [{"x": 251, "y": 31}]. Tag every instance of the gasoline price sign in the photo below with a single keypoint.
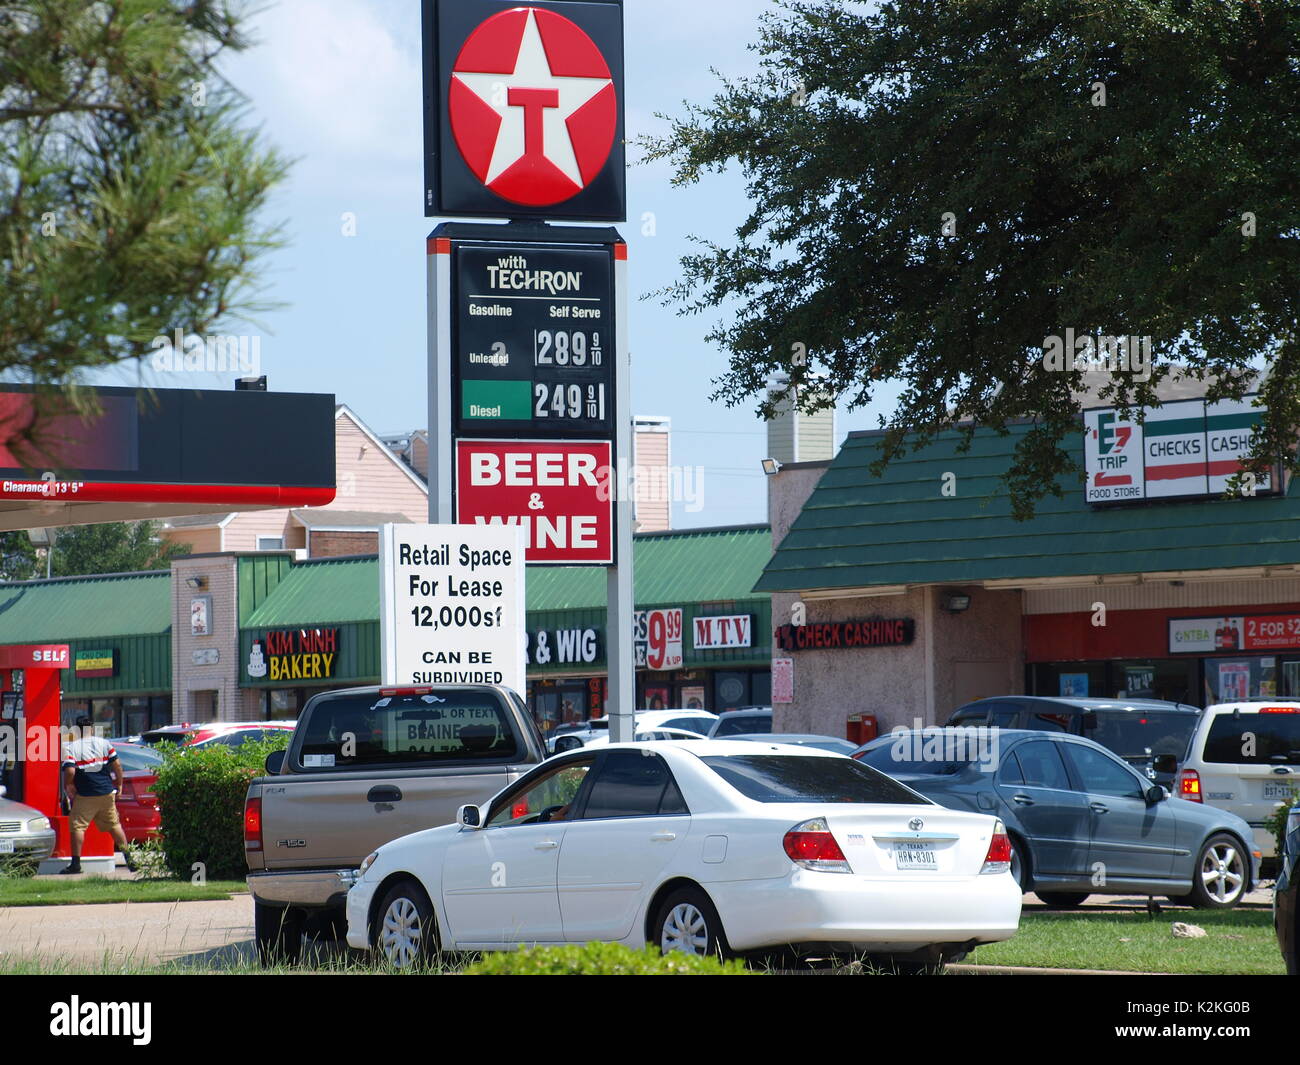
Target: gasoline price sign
[{"x": 533, "y": 340}]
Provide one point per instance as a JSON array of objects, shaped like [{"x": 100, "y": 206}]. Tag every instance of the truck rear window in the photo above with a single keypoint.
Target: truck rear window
[
  {"x": 1254, "y": 739},
  {"x": 365, "y": 729}
]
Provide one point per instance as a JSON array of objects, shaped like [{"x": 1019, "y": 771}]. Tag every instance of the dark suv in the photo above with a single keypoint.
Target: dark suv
[{"x": 1138, "y": 730}]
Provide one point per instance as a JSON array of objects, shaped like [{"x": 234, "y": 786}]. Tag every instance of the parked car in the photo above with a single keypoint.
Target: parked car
[
  {"x": 709, "y": 847},
  {"x": 653, "y": 735},
  {"x": 802, "y": 739},
  {"x": 231, "y": 733},
  {"x": 745, "y": 721},
  {"x": 365, "y": 766},
  {"x": 25, "y": 832},
  {"x": 1138, "y": 730},
  {"x": 1286, "y": 909},
  {"x": 571, "y": 737},
  {"x": 1244, "y": 757},
  {"x": 697, "y": 721},
  {"x": 137, "y": 805},
  {"x": 1082, "y": 821}
]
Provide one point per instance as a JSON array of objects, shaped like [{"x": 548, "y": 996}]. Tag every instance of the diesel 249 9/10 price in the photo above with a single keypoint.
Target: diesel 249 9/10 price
[{"x": 569, "y": 401}]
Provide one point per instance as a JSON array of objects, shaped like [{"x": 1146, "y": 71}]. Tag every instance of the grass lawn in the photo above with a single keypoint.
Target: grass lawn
[
  {"x": 63, "y": 891},
  {"x": 1238, "y": 942}
]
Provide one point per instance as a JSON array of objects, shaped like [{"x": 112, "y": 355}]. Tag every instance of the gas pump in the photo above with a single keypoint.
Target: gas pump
[{"x": 30, "y": 707}]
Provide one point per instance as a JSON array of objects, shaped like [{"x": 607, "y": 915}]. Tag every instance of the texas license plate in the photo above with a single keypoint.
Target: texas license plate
[
  {"x": 6, "y": 846},
  {"x": 1280, "y": 789},
  {"x": 909, "y": 855}
]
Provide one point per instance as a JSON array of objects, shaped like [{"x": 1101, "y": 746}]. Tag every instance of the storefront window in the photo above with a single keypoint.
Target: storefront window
[
  {"x": 283, "y": 704},
  {"x": 1170, "y": 679},
  {"x": 1229, "y": 680}
]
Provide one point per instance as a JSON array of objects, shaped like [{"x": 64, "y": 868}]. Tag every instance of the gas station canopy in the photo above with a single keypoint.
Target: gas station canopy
[{"x": 163, "y": 453}]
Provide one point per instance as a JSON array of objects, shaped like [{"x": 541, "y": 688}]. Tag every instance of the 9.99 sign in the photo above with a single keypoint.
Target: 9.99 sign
[{"x": 657, "y": 638}]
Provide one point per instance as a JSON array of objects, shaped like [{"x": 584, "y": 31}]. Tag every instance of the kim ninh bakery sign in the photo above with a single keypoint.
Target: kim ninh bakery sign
[{"x": 293, "y": 654}]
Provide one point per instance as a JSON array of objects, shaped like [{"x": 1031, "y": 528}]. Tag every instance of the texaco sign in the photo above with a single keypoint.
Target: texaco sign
[{"x": 524, "y": 110}]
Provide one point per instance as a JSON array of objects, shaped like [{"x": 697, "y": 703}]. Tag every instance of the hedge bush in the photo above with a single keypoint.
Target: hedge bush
[
  {"x": 600, "y": 959},
  {"x": 1277, "y": 823},
  {"x": 201, "y": 793}
]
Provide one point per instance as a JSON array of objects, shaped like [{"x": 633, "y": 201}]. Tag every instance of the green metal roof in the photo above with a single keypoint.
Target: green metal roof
[
  {"x": 76, "y": 608},
  {"x": 692, "y": 566},
  {"x": 859, "y": 531},
  {"x": 321, "y": 592}
]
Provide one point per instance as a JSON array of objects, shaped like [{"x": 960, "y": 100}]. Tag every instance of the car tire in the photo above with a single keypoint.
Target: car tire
[
  {"x": 1020, "y": 865},
  {"x": 277, "y": 931},
  {"x": 1062, "y": 900},
  {"x": 1220, "y": 874},
  {"x": 406, "y": 931},
  {"x": 687, "y": 921}
]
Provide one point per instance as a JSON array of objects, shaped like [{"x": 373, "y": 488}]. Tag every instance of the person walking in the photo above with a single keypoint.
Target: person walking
[{"x": 92, "y": 780}]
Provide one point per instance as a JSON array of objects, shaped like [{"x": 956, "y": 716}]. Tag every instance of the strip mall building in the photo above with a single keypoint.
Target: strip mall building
[{"x": 918, "y": 591}]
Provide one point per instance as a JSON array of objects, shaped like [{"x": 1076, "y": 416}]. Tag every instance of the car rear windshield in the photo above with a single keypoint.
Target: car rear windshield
[
  {"x": 690, "y": 724},
  {"x": 886, "y": 759},
  {"x": 743, "y": 725},
  {"x": 794, "y": 778},
  {"x": 1133, "y": 733},
  {"x": 1254, "y": 739},
  {"x": 363, "y": 729}
]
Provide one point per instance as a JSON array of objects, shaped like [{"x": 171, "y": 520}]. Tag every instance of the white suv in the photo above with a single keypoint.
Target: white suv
[{"x": 1245, "y": 757}]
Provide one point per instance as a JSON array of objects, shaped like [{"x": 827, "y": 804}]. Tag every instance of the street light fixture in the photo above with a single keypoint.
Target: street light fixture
[{"x": 771, "y": 467}]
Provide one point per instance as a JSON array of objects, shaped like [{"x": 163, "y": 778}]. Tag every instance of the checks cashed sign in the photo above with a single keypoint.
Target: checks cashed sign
[
  {"x": 560, "y": 493},
  {"x": 1179, "y": 450}
]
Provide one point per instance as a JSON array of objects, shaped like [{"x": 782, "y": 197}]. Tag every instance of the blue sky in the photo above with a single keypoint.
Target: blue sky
[{"x": 336, "y": 84}]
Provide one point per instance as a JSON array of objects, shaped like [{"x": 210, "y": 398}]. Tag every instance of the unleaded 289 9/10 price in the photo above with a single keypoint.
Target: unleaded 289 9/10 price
[{"x": 561, "y": 348}]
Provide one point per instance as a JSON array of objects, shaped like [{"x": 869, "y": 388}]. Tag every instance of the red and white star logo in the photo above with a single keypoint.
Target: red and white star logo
[{"x": 532, "y": 106}]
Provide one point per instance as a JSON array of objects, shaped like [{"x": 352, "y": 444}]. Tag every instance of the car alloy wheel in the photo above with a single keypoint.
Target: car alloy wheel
[
  {"x": 685, "y": 929},
  {"x": 406, "y": 932},
  {"x": 1222, "y": 872}
]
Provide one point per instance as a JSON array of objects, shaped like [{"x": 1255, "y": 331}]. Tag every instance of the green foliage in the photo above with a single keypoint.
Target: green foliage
[
  {"x": 129, "y": 187},
  {"x": 17, "y": 557},
  {"x": 1277, "y": 822},
  {"x": 600, "y": 959},
  {"x": 18, "y": 866},
  {"x": 112, "y": 547},
  {"x": 201, "y": 794},
  {"x": 867, "y": 124}
]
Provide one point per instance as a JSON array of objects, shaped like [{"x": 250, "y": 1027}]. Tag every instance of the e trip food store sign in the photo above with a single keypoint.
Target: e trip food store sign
[{"x": 1187, "y": 449}]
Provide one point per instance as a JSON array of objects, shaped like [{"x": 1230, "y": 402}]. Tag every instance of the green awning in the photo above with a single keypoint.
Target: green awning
[
  {"x": 859, "y": 531},
  {"x": 75, "y": 608}
]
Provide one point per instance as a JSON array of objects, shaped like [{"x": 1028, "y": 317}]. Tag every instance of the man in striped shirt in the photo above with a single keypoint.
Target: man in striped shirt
[{"x": 92, "y": 778}]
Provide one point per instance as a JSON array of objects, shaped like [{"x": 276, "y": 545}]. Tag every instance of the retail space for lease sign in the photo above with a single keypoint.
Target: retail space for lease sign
[
  {"x": 1181, "y": 450},
  {"x": 452, "y": 605}
]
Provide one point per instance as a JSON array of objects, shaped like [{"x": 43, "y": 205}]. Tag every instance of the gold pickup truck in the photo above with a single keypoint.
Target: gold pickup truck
[{"x": 365, "y": 766}]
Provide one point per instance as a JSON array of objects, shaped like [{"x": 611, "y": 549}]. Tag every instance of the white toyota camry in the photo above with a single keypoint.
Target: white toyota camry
[{"x": 712, "y": 846}]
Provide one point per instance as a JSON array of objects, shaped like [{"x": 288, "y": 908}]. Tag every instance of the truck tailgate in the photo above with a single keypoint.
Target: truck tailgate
[{"x": 310, "y": 820}]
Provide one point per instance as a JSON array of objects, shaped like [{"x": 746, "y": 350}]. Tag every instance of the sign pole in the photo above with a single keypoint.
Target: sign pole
[
  {"x": 618, "y": 623},
  {"x": 438, "y": 274}
]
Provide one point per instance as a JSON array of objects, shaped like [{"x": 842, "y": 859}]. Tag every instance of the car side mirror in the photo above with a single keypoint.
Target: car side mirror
[
  {"x": 1156, "y": 794},
  {"x": 469, "y": 817},
  {"x": 274, "y": 763},
  {"x": 1165, "y": 763}
]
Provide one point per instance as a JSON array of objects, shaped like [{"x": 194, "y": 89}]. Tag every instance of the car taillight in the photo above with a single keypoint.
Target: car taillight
[
  {"x": 998, "y": 859},
  {"x": 253, "y": 824},
  {"x": 1280, "y": 710},
  {"x": 812, "y": 846},
  {"x": 1189, "y": 785}
]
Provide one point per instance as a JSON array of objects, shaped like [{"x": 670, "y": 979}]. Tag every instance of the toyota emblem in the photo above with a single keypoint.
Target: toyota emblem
[{"x": 916, "y": 824}]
